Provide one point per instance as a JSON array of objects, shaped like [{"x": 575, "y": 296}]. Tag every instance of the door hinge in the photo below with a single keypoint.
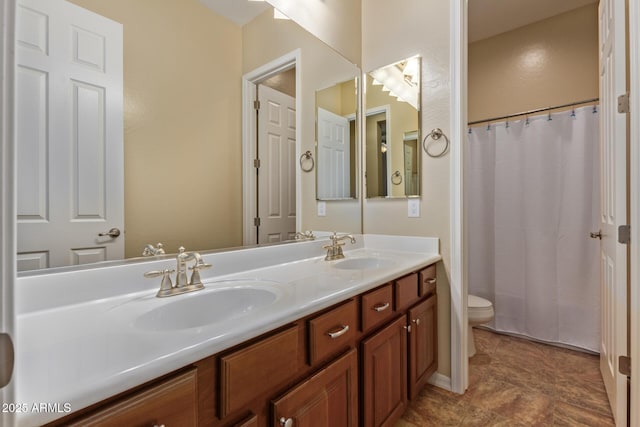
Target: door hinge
[
  {"x": 256, "y": 163},
  {"x": 256, "y": 221},
  {"x": 624, "y": 234},
  {"x": 624, "y": 365},
  {"x": 623, "y": 103},
  {"x": 6, "y": 359},
  {"x": 256, "y": 104}
]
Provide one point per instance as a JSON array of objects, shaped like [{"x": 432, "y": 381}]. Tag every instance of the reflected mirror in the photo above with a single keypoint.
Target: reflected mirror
[
  {"x": 336, "y": 135},
  {"x": 392, "y": 123},
  {"x": 180, "y": 161}
]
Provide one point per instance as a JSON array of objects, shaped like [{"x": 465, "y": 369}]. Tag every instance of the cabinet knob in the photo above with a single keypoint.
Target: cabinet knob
[
  {"x": 286, "y": 422},
  {"x": 408, "y": 328},
  {"x": 416, "y": 321}
]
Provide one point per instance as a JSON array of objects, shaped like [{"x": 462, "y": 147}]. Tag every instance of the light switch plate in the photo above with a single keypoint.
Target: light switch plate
[
  {"x": 413, "y": 208},
  {"x": 322, "y": 209}
]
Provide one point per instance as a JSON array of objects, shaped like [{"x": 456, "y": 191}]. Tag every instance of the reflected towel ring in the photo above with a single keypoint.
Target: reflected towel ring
[
  {"x": 307, "y": 156},
  {"x": 435, "y": 135},
  {"x": 396, "y": 178}
]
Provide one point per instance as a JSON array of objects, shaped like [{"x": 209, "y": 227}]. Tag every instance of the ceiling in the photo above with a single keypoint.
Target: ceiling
[
  {"x": 488, "y": 18},
  {"x": 238, "y": 11}
]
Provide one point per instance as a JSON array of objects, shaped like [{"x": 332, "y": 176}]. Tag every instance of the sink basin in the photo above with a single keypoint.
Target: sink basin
[
  {"x": 210, "y": 306},
  {"x": 365, "y": 263}
]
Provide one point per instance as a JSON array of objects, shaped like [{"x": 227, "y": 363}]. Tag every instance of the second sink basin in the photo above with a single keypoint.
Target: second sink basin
[
  {"x": 363, "y": 263},
  {"x": 210, "y": 306}
]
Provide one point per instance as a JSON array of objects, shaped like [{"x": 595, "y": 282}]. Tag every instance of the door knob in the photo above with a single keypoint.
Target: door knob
[
  {"x": 113, "y": 233},
  {"x": 597, "y": 235}
]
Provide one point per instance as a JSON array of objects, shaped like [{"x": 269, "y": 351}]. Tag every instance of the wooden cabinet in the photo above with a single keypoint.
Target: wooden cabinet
[
  {"x": 172, "y": 402},
  {"x": 384, "y": 375},
  {"x": 328, "y": 398},
  {"x": 379, "y": 347},
  {"x": 423, "y": 344}
]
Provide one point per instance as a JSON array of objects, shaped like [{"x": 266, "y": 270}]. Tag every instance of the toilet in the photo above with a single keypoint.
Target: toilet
[{"x": 479, "y": 311}]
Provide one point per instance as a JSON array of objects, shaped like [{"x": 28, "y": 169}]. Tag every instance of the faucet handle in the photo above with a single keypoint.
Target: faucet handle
[
  {"x": 195, "y": 275},
  {"x": 166, "y": 285}
]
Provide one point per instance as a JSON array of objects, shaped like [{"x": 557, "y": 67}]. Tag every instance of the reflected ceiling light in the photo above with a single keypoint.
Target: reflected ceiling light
[{"x": 401, "y": 80}]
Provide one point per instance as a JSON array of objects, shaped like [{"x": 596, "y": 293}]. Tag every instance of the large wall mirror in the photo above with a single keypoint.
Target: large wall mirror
[
  {"x": 336, "y": 141},
  {"x": 392, "y": 123},
  {"x": 181, "y": 129}
]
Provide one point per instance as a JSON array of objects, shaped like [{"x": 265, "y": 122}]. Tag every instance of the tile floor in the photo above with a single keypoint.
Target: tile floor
[{"x": 515, "y": 382}]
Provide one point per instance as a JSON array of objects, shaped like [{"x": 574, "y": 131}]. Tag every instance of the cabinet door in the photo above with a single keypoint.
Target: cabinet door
[
  {"x": 328, "y": 399},
  {"x": 384, "y": 375},
  {"x": 423, "y": 344}
]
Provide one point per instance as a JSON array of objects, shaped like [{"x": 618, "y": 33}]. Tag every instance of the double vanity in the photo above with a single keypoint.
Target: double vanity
[{"x": 278, "y": 336}]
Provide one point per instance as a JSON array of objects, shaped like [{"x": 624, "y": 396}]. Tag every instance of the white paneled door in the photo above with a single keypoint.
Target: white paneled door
[
  {"x": 334, "y": 152},
  {"x": 69, "y": 135},
  {"x": 613, "y": 185},
  {"x": 277, "y": 173}
]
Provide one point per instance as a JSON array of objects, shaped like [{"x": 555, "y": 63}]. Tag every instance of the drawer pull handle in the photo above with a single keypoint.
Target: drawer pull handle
[
  {"x": 286, "y": 422},
  {"x": 381, "y": 307},
  {"x": 416, "y": 321},
  {"x": 432, "y": 281},
  {"x": 343, "y": 330}
]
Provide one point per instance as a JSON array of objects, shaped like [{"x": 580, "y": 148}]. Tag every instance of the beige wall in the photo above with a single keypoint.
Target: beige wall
[
  {"x": 335, "y": 22},
  {"x": 551, "y": 62},
  {"x": 182, "y": 127},
  {"x": 390, "y": 33},
  {"x": 266, "y": 39}
]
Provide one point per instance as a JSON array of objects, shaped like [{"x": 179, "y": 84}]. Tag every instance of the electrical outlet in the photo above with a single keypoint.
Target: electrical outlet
[
  {"x": 413, "y": 208},
  {"x": 322, "y": 208}
]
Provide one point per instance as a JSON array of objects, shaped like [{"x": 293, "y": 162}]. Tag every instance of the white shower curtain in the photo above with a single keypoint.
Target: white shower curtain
[{"x": 532, "y": 198}]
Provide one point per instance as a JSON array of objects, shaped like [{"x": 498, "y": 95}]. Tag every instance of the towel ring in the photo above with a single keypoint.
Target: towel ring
[
  {"x": 396, "y": 178},
  {"x": 307, "y": 156},
  {"x": 435, "y": 135}
]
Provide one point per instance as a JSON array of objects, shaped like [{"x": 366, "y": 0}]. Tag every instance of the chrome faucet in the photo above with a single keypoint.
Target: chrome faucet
[
  {"x": 183, "y": 285},
  {"x": 334, "y": 251},
  {"x": 150, "y": 250}
]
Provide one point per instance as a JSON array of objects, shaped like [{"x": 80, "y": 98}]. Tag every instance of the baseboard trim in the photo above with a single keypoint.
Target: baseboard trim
[{"x": 441, "y": 381}]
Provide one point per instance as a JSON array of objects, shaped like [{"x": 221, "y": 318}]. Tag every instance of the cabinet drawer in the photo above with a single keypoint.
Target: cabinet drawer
[
  {"x": 377, "y": 306},
  {"x": 333, "y": 331},
  {"x": 255, "y": 370},
  {"x": 427, "y": 284},
  {"x": 406, "y": 291},
  {"x": 171, "y": 402}
]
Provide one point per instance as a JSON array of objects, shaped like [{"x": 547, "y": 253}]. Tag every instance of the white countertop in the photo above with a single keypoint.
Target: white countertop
[{"x": 81, "y": 347}]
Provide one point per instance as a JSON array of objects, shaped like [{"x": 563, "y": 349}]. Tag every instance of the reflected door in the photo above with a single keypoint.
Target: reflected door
[
  {"x": 334, "y": 146},
  {"x": 277, "y": 173},
  {"x": 69, "y": 135}
]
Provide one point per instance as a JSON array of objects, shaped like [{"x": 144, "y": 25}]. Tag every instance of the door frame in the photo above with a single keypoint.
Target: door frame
[
  {"x": 250, "y": 83},
  {"x": 458, "y": 54},
  {"x": 8, "y": 245},
  {"x": 458, "y": 12},
  {"x": 634, "y": 218},
  {"x": 386, "y": 109}
]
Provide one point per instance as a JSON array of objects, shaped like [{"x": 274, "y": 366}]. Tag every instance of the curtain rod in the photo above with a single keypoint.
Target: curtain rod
[{"x": 539, "y": 110}]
